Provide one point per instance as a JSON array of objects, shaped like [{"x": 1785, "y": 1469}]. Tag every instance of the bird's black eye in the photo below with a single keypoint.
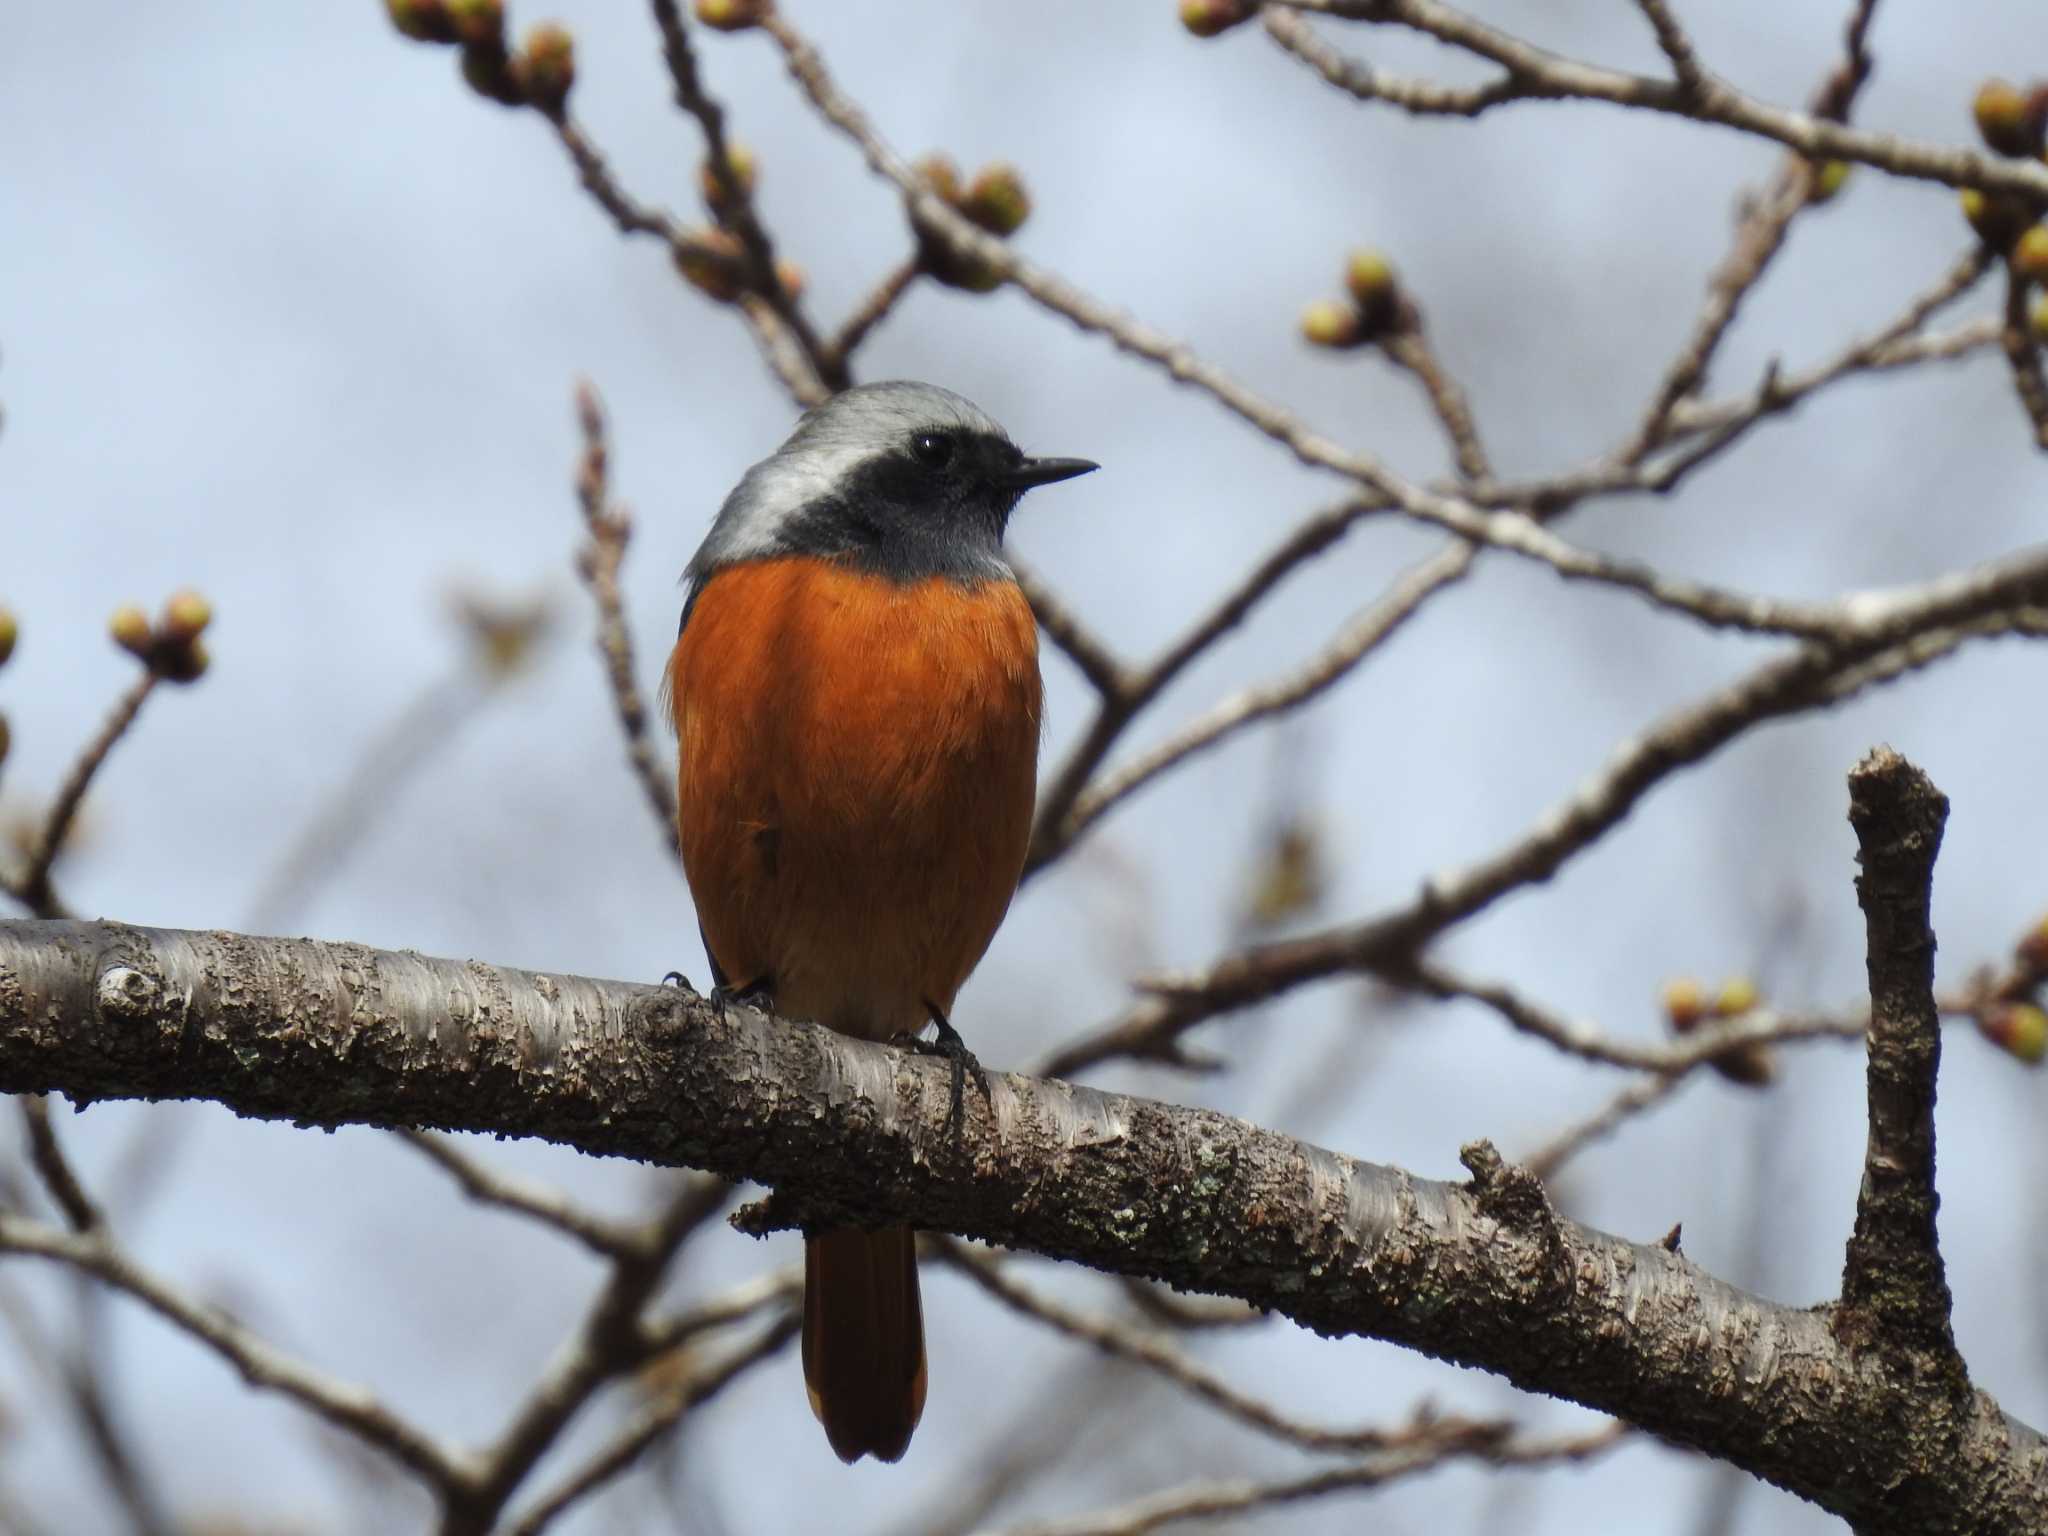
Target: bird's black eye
[{"x": 934, "y": 450}]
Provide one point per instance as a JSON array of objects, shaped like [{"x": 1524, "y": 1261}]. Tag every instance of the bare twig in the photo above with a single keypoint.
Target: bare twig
[
  {"x": 1897, "y": 345},
  {"x": 1425, "y": 98},
  {"x": 782, "y": 350},
  {"x": 1685, "y": 64},
  {"x": 1644, "y": 1094},
  {"x": 426, "y": 726},
  {"x": 549, "y": 1207},
  {"x": 1758, "y": 239},
  {"x": 32, "y": 888},
  {"x": 1081, "y": 1408},
  {"x": 1542, "y": 75},
  {"x": 1137, "y": 690},
  {"x": 1703, "y": 1047},
  {"x": 872, "y": 310},
  {"x": 2023, "y": 354},
  {"x": 1064, "y": 628},
  {"x": 610, "y": 527},
  {"x": 607, "y": 1343},
  {"x": 261, "y": 1365},
  {"x": 77, "y": 1373},
  {"x": 1906, "y": 631},
  {"x": 1428, "y": 1449},
  {"x": 1409, "y": 348},
  {"x": 1760, "y": 235},
  {"x": 1162, "y": 1356},
  {"x": 656, "y": 1423},
  {"x": 1358, "y": 640},
  {"x": 47, "y": 1154},
  {"x": 735, "y": 203}
]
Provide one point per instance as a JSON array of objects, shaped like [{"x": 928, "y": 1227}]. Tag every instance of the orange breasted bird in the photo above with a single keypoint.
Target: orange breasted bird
[{"x": 855, "y": 694}]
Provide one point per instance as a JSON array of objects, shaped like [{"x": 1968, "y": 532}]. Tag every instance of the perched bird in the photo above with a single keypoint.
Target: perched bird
[{"x": 855, "y": 694}]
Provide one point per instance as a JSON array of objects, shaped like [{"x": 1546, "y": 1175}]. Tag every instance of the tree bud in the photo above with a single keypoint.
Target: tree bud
[
  {"x": 547, "y": 65},
  {"x": 1332, "y": 323},
  {"x": 130, "y": 630},
  {"x": 1207, "y": 18},
  {"x": 997, "y": 200}
]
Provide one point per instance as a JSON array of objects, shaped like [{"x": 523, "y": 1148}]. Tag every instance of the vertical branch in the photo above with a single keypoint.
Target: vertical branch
[
  {"x": 34, "y": 890},
  {"x": 2023, "y": 353},
  {"x": 735, "y": 205},
  {"x": 1894, "y": 1290},
  {"x": 598, "y": 563}
]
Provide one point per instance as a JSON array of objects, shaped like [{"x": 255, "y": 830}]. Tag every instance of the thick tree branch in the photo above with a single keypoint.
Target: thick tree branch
[
  {"x": 1894, "y": 1290},
  {"x": 1484, "y": 1273}
]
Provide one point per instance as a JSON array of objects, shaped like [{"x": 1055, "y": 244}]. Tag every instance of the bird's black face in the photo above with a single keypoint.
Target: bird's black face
[{"x": 936, "y": 504}]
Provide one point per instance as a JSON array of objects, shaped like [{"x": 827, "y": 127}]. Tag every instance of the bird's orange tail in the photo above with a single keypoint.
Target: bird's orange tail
[{"x": 864, "y": 1339}]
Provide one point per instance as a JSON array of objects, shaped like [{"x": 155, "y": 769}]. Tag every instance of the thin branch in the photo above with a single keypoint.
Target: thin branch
[
  {"x": 1051, "y": 835},
  {"x": 261, "y": 1365},
  {"x": 1065, "y": 629},
  {"x": 783, "y": 351},
  {"x": 1758, "y": 239},
  {"x": 1206, "y": 1500},
  {"x": 1760, "y": 235},
  {"x": 1586, "y": 1042},
  {"x": 1164, "y": 1358},
  {"x": 1542, "y": 75},
  {"x": 611, "y": 527},
  {"x": 1905, "y": 631},
  {"x": 735, "y": 204},
  {"x": 1424, "y": 98},
  {"x": 1685, "y": 64},
  {"x": 872, "y": 310},
  {"x": 77, "y": 1374},
  {"x": 1894, "y": 1288},
  {"x": 628, "y": 216},
  {"x": 2023, "y": 355},
  {"x": 1083, "y": 1408},
  {"x": 606, "y": 1344},
  {"x": 933, "y": 217},
  {"x": 656, "y": 1423},
  {"x": 46, "y": 1153},
  {"x": 1354, "y": 643},
  {"x": 1639, "y": 1097},
  {"x": 1409, "y": 349},
  {"x": 33, "y": 889},
  {"x": 1897, "y": 345},
  {"x": 429, "y": 724},
  {"x": 549, "y": 1207}
]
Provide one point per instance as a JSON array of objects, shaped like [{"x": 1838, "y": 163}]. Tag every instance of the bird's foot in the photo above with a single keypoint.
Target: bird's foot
[
  {"x": 952, "y": 1048},
  {"x": 758, "y": 993}
]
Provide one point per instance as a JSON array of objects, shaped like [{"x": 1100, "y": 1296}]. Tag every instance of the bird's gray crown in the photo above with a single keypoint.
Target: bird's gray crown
[{"x": 832, "y": 487}]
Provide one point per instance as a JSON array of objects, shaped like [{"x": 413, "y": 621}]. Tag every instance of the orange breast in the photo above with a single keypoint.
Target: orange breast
[{"x": 858, "y": 766}]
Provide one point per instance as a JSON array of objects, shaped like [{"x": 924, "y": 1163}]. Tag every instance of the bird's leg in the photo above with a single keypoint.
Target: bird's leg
[
  {"x": 758, "y": 993},
  {"x": 950, "y": 1046}
]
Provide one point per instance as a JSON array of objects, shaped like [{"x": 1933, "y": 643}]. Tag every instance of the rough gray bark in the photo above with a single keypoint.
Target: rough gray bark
[{"x": 1485, "y": 1273}]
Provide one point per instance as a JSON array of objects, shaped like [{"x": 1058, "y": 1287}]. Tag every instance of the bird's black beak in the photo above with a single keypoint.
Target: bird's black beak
[{"x": 1031, "y": 472}]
